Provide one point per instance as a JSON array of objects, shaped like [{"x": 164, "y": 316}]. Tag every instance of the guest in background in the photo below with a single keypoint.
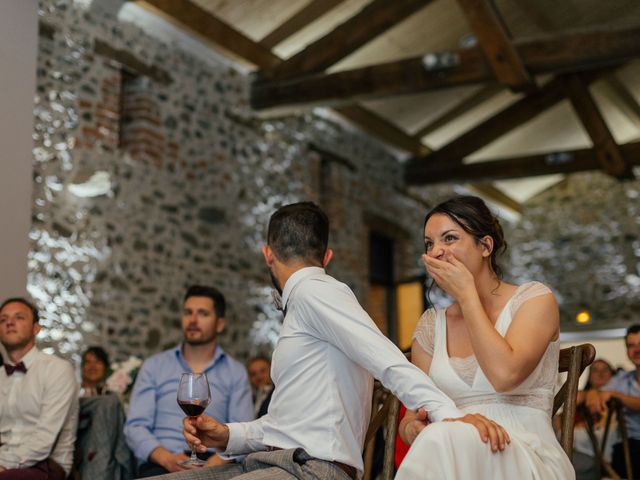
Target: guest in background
[
  {"x": 95, "y": 367},
  {"x": 259, "y": 369},
  {"x": 38, "y": 401},
  {"x": 625, "y": 387},
  {"x": 583, "y": 461},
  {"x": 154, "y": 421}
]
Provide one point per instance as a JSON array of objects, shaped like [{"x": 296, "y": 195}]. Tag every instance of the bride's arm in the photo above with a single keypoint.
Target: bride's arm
[
  {"x": 506, "y": 361},
  {"x": 413, "y": 422}
]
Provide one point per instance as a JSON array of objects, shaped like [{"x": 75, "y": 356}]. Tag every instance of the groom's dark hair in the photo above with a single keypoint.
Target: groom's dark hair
[{"x": 299, "y": 231}]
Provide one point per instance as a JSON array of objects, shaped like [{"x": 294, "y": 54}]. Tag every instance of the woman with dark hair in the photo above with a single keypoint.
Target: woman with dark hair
[
  {"x": 494, "y": 351},
  {"x": 95, "y": 368}
]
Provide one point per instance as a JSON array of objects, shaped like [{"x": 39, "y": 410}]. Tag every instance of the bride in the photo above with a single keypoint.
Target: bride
[{"x": 494, "y": 351}]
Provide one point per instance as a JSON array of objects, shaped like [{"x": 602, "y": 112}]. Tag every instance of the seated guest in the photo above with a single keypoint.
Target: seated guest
[
  {"x": 494, "y": 351},
  {"x": 583, "y": 460},
  {"x": 154, "y": 422},
  {"x": 259, "y": 369},
  {"x": 95, "y": 366},
  {"x": 625, "y": 387},
  {"x": 38, "y": 401}
]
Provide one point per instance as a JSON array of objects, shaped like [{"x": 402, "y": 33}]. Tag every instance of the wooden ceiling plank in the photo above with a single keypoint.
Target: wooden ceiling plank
[
  {"x": 495, "y": 40},
  {"x": 215, "y": 30},
  {"x": 604, "y": 144},
  {"x": 564, "y": 162},
  {"x": 559, "y": 53},
  {"x": 483, "y": 95},
  {"x": 393, "y": 78},
  {"x": 383, "y": 129},
  {"x": 184, "y": 11},
  {"x": 207, "y": 25},
  {"x": 373, "y": 20},
  {"x": 623, "y": 99},
  {"x": 491, "y": 192},
  {"x": 494, "y": 127},
  {"x": 308, "y": 14}
]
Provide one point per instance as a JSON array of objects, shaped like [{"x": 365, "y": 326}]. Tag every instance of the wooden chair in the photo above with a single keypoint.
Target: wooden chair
[
  {"x": 573, "y": 361},
  {"x": 386, "y": 409},
  {"x": 384, "y": 414},
  {"x": 615, "y": 409}
]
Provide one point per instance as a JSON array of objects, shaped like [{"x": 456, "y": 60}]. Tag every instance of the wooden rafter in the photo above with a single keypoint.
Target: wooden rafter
[
  {"x": 212, "y": 29},
  {"x": 382, "y": 128},
  {"x": 488, "y": 191},
  {"x": 199, "y": 20},
  {"x": 374, "y": 19},
  {"x": 607, "y": 151},
  {"x": 524, "y": 166},
  {"x": 493, "y": 128},
  {"x": 623, "y": 99},
  {"x": 309, "y": 13},
  {"x": 560, "y": 53},
  {"x": 229, "y": 39},
  {"x": 478, "y": 98},
  {"x": 495, "y": 40}
]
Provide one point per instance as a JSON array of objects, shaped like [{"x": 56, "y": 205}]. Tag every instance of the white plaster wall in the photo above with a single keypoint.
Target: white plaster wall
[{"x": 18, "y": 53}]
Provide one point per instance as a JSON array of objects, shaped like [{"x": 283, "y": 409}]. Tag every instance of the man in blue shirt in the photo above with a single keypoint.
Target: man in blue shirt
[
  {"x": 154, "y": 423},
  {"x": 625, "y": 386}
]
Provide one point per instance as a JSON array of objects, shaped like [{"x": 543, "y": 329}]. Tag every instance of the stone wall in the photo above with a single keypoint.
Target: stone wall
[
  {"x": 155, "y": 175},
  {"x": 582, "y": 237},
  {"x": 146, "y": 183}
]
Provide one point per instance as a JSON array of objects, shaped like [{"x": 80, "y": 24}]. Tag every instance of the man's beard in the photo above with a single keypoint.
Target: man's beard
[
  {"x": 276, "y": 293},
  {"x": 274, "y": 281}
]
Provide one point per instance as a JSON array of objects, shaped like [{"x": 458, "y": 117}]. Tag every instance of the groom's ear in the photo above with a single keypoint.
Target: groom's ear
[
  {"x": 267, "y": 253},
  {"x": 328, "y": 255}
]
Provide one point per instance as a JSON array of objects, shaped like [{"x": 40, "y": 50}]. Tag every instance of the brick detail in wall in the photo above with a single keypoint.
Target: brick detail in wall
[
  {"x": 141, "y": 132},
  {"x": 101, "y": 114}
]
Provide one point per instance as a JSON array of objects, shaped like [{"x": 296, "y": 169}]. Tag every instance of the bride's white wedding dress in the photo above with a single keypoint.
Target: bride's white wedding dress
[{"x": 454, "y": 450}]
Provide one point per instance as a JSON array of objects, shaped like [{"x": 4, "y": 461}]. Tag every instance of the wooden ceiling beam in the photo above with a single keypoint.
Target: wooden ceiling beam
[
  {"x": 494, "y": 127},
  {"x": 564, "y": 162},
  {"x": 560, "y": 53},
  {"x": 622, "y": 98},
  {"x": 383, "y": 129},
  {"x": 496, "y": 42},
  {"x": 478, "y": 98},
  {"x": 308, "y": 14},
  {"x": 374, "y": 19},
  {"x": 607, "y": 151},
  {"x": 491, "y": 192},
  {"x": 202, "y": 22},
  {"x": 199, "y": 20},
  {"x": 194, "y": 18}
]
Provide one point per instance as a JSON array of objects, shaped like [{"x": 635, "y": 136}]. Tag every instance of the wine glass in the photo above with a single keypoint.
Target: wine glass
[{"x": 193, "y": 397}]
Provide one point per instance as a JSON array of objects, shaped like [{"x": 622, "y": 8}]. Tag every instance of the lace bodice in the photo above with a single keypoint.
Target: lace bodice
[{"x": 536, "y": 391}]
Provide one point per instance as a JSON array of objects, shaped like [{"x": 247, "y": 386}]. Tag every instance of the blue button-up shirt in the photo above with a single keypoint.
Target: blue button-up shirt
[
  {"x": 626, "y": 383},
  {"x": 155, "y": 419}
]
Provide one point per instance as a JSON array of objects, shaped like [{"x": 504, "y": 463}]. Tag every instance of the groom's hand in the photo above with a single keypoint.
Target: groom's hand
[
  {"x": 203, "y": 431},
  {"x": 489, "y": 430}
]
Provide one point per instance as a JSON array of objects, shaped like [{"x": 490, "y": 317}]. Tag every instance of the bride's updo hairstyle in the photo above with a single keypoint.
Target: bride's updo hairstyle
[{"x": 475, "y": 218}]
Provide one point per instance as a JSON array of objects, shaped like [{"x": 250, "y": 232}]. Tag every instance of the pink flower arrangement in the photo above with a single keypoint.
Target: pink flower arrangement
[{"x": 123, "y": 376}]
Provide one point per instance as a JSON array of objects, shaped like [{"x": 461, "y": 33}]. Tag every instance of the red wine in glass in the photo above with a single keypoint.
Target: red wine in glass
[
  {"x": 192, "y": 409},
  {"x": 193, "y": 397}
]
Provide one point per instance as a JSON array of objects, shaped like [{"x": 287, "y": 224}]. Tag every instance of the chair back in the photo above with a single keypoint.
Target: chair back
[
  {"x": 384, "y": 414},
  {"x": 573, "y": 361}
]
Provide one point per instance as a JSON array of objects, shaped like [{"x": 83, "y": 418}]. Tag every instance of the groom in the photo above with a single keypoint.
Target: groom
[{"x": 328, "y": 352}]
